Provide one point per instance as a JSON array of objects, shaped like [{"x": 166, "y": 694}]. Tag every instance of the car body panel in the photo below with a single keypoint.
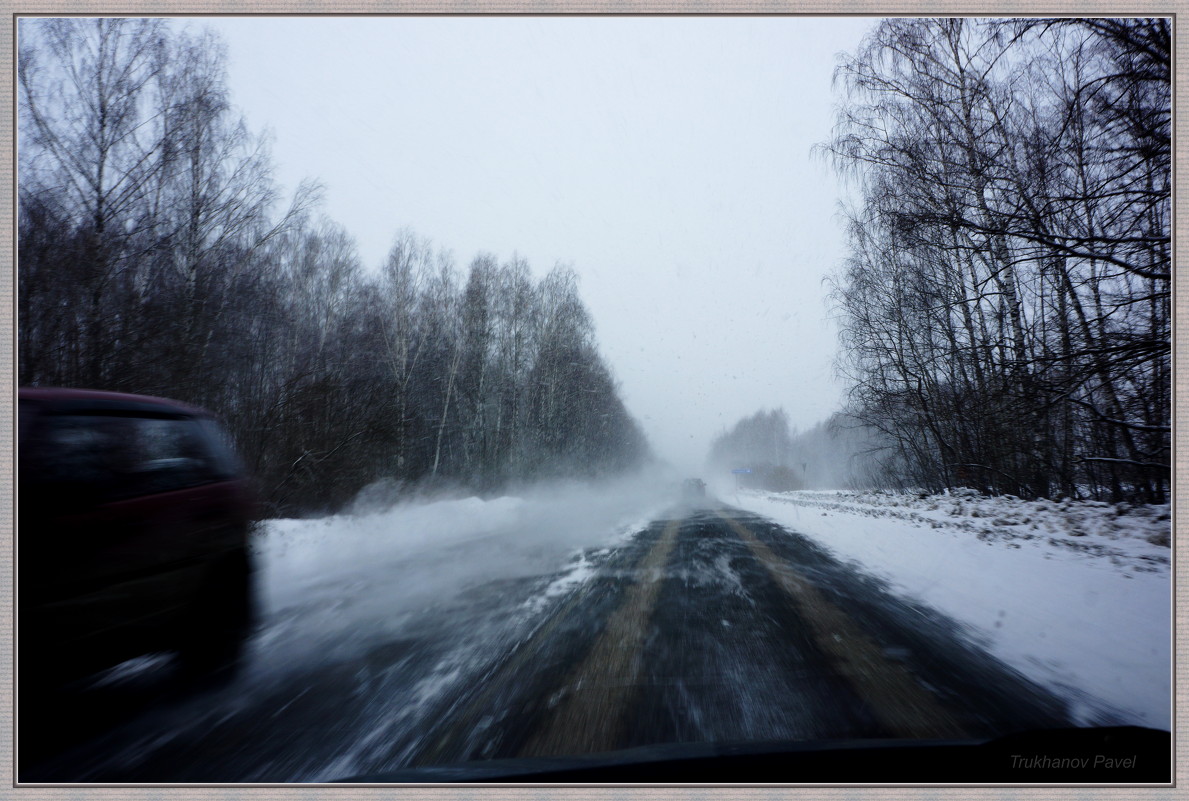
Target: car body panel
[{"x": 126, "y": 510}]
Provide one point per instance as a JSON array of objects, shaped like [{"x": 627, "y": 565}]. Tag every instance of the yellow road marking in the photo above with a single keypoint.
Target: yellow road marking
[
  {"x": 589, "y": 717},
  {"x": 898, "y": 701}
]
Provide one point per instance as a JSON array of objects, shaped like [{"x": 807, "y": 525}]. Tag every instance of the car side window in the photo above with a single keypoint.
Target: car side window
[
  {"x": 111, "y": 457},
  {"x": 85, "y": 452},
  {"x": 169, "y": 455}
]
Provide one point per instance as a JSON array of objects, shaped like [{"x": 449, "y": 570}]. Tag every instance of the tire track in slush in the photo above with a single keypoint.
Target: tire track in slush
[
  {"x": 895, "y": 697},
  {"x": 560, "y": 737},
  {"x": 591, "y": 713}
]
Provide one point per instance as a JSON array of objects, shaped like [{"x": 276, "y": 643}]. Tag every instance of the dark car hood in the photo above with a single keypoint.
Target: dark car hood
[{"x": 1107, "y": 755}]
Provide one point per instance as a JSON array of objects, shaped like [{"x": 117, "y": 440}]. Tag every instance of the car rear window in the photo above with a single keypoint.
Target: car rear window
[{"x": 224, "y": 461}]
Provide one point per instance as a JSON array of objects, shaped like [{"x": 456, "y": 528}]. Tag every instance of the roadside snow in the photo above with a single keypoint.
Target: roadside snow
[
  {"x": 298, "y": 556},
  {"x": 1074, "y": 595},
  {"x": 331, "y": 585}
]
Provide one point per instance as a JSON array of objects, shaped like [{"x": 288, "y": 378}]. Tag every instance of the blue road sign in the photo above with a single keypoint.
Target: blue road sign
[{"x": 741, "y": 470}]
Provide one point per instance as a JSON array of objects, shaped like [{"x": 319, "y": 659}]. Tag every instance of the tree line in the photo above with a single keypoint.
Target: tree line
[
  {"x": 1005, "y": 307},
  {"x": 834, "y": 454},
  {"x": 152, "y": 258},
  {"x": 762, "y": 444}
]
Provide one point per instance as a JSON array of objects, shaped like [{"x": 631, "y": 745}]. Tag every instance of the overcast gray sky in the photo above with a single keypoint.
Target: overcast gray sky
[{"x": 668, "y": 160}]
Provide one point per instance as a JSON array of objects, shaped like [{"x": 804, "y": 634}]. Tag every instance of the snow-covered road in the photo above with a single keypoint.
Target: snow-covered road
[{"x": 462, "y": 629}]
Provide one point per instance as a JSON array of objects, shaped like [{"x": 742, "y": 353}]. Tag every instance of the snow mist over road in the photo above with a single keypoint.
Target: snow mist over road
[{"x": 331, "y": 586}]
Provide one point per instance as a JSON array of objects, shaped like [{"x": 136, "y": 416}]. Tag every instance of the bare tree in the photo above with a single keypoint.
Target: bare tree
[
  {"x": 87, "y": 160},
  {"x": 1006, "y": 302}
]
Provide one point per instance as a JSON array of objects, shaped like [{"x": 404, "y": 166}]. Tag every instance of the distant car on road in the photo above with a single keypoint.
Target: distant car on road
[
  {"x": 694, "y": 488},
  {"x": 132, "y": 535}
]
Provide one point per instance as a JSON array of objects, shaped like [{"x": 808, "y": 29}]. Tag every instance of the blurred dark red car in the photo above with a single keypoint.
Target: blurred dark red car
[{"x": 133, "y": 519}]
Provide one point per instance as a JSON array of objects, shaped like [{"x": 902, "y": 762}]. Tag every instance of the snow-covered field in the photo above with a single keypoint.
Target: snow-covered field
[{"x": 1075, "y": 595}]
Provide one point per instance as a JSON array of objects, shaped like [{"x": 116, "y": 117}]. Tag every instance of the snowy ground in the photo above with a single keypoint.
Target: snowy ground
[{"x": 1075, "y": 595}]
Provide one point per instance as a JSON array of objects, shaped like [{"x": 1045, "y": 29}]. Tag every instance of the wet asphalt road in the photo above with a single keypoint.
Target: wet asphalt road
[{"x": 712, "y": 625}]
